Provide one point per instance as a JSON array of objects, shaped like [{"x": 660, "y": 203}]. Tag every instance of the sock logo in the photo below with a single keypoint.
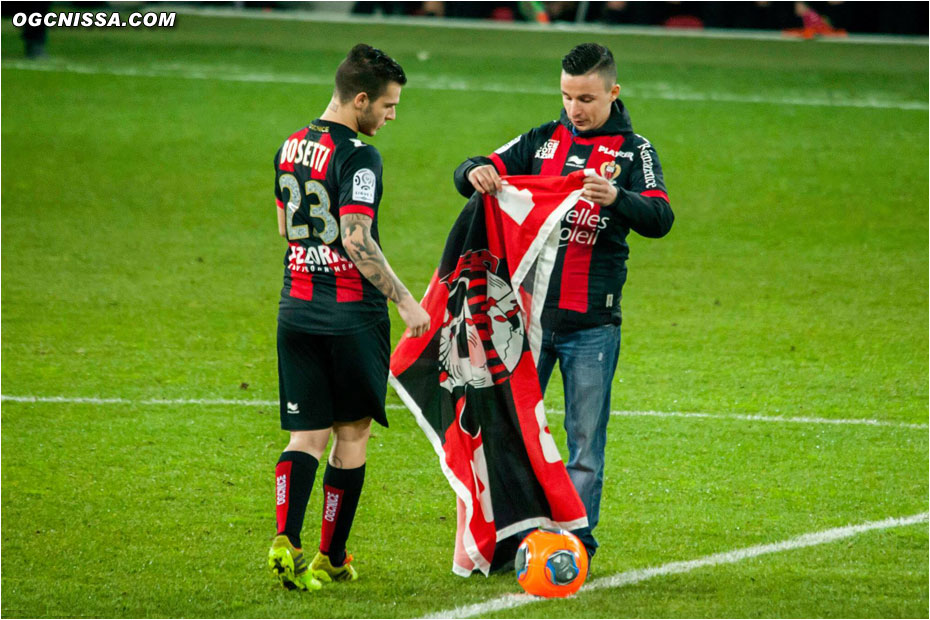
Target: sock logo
[
  {"x": 332, "y": 506},
  {"x": 281, "y": 488}
]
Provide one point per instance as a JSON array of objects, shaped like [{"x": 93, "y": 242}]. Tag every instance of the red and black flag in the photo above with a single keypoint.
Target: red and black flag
[{"x": 471, "y": 381}]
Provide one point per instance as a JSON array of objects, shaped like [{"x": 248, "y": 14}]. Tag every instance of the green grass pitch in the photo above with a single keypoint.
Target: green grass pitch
[{"x": 140, "y": 261}]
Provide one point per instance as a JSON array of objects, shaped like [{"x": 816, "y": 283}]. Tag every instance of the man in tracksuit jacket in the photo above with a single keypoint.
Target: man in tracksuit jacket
[{"x": 581, "y": 317}]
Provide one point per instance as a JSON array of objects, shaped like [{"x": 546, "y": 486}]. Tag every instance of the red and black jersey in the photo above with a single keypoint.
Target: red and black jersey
[
  {"x": 590, "y": 269},
  {"x": 323, "y": 172}
]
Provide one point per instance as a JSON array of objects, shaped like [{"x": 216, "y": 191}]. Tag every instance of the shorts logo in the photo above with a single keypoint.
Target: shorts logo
[
  {"x": 293, "y": 407},
  {"x": 547, "y": 150},
  {"x": 363, "y": 185},
  {"x": 575, "y": 162},
  {"x": 281, "y": 489}
]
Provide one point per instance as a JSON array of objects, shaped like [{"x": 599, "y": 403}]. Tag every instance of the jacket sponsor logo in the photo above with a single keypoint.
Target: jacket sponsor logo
[
  {"x": 584, "y": 224},
  {"x": 615, "y": 154},
  {"x": 649, "y": 176},
  {"x": 610, "y": 170},
  {"x": 547, "y": 150},
  {"x": 281, "y": 489},
  {"x": 507, "y": 146},
  {"x": 363, "y": 185},
  {"x": 306, "y": 153},
  {"x": 575, "y": 162}
]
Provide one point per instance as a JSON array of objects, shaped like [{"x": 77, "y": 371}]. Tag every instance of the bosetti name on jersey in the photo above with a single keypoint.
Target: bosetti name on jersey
[{"x": 306, "y": 153}]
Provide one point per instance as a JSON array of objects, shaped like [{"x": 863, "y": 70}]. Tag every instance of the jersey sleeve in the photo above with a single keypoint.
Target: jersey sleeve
[
  {"x": 644, "y": 203},
  {"x": 514, "y": 157},
  {"x": 277, "y": 188},
  {"x": 360, "y": 185}
]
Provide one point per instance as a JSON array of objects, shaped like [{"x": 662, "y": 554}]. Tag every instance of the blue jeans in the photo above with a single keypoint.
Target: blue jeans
[{"x": 588, "y": 360}]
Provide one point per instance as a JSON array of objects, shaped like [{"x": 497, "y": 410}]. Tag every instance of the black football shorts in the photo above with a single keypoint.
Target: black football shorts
[{"x": 325, "y": 379}]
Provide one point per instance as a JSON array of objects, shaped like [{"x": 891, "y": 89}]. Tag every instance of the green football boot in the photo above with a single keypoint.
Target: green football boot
[
  {"x": 287, "y": 564},
  {"x": 323, "y": 569}
]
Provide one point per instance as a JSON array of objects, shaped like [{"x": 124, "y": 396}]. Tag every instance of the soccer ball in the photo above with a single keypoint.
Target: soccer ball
[{"x": 551, "y": 563}]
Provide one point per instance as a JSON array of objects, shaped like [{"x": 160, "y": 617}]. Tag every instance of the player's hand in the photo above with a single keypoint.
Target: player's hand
[
  {"x": 416, "y": 318},
  {"x": 485, "y": 179},
  {"x": 599, "y": 190}
]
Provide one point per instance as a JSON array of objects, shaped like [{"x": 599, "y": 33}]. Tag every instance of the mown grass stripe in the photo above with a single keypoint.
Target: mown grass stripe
[
  {"x": 210, "y": 402},
  {"x": 511, "y": 601},
  {"x": 444, "y": 83}
]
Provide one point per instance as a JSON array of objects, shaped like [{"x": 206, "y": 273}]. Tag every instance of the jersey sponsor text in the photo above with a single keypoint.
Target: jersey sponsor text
[
  {"x": 586, "y": 225},
  {"x": 317, "y": 258},
  {"x": 547, "y": 150},
  {"x": 649, "y": 176}
]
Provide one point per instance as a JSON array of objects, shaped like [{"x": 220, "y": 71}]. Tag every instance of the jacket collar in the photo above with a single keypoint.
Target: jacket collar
[{"x": 618, "y": 122}]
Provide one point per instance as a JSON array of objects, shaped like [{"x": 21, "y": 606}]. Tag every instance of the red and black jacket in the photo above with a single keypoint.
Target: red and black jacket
[{"x": 590, "y": 269}]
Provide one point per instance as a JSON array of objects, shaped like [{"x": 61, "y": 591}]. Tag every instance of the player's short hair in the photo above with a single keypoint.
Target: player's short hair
[
  {"x": 367, "y": 70},
  {"x": 588, "y": 57}
]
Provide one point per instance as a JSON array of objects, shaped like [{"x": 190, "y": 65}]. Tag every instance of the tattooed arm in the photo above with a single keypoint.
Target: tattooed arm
[{"x": 367, "y": 256}]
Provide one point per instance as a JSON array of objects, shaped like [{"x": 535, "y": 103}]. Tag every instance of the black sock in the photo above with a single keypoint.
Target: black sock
[
  {"x": 294, "y": 475},
  {"x": 341, "y": 491}
]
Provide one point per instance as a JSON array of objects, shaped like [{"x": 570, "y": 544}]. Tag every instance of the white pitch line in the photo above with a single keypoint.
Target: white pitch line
[
  {"x": 93, "y": 400},
  {"x": 211, "y": 402},
  {"x": 445, "y": 83},
  {"x": 771, "y": 418},
  {"x": 674, "y": 568}
]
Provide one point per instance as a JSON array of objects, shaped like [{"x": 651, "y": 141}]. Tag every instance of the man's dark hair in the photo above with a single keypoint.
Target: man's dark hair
[
  {"x": 366, "y": 70},
  {"x": 589, "y": 57}
]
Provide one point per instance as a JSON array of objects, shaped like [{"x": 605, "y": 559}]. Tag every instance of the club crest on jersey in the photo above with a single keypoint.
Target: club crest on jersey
[
  {"x": 547, "y": 150},
  {"x": 482, "y": 333},
  {"x": 610, "y": 170},
  {"x": 363, "y": 185}
]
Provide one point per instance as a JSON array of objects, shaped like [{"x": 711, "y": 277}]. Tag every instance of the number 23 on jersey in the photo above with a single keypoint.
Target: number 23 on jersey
[{"x": 319, "y": 210}]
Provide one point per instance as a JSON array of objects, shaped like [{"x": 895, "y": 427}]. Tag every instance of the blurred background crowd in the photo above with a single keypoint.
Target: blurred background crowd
[
  {"x": 815, "y": 17},
  {"x": 794, "y": 19}
]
